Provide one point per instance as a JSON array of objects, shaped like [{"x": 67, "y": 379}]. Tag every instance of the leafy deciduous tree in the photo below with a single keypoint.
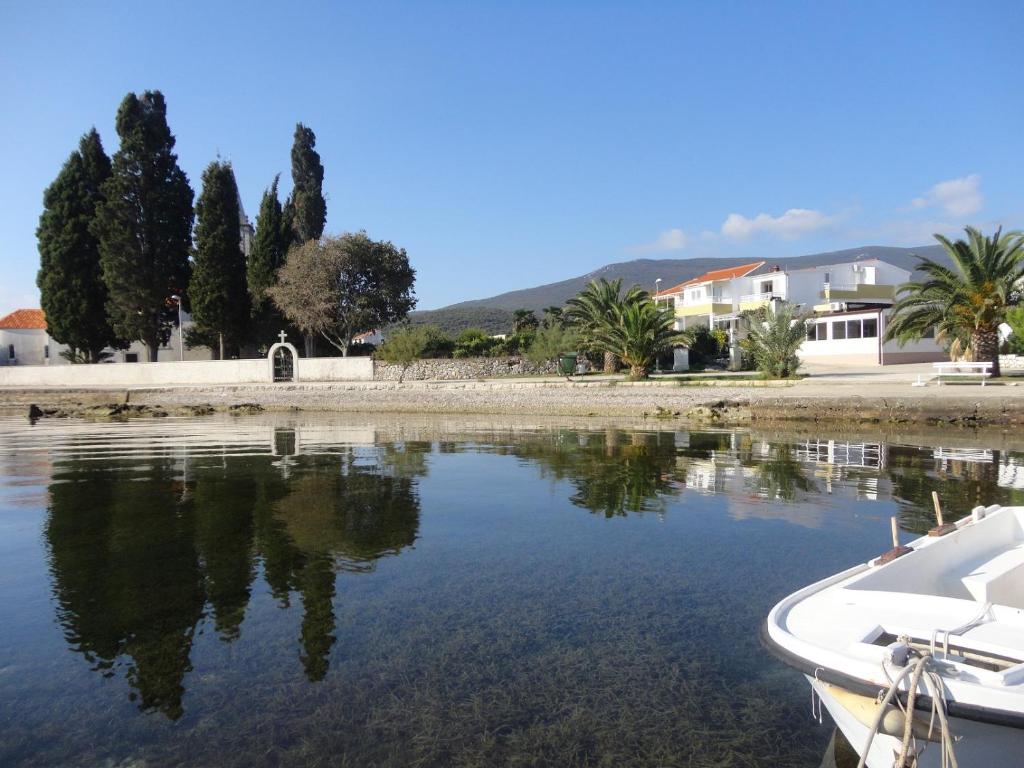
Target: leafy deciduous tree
[
  {"x": 144, "y": 224},
  {"x": 217, "y": 290},
  {"x": 71, "y": 288},
  {"x": 339, "y": 287}
]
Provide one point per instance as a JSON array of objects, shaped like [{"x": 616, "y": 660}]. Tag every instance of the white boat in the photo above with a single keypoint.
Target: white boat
[{"x": 940, "y": 624}]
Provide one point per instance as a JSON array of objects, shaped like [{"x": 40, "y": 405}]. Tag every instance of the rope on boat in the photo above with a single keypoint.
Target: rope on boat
[{"x": 919, "y": 669}]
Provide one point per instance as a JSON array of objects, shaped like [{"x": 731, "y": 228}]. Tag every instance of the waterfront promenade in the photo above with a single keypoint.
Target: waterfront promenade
[{"x": 870, "y": 396}]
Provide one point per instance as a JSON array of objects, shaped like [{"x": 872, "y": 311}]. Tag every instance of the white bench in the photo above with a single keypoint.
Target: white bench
[
  {"x": 978, "y": 370},
  {"x": 999, "y": 580}
]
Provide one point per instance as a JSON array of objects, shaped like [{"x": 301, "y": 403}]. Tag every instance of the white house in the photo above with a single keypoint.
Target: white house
[
  {"x": 850, "y": 301},
  {"x": 24, "y": 340}
]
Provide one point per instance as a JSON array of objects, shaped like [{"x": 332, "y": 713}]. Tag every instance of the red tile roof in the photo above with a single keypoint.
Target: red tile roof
[
  {"x": 24, "y": 319},
  {"x": 716, "y": 274}
]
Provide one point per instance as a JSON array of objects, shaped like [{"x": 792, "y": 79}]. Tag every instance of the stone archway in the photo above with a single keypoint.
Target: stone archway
[{"x": 283, "y": 362}]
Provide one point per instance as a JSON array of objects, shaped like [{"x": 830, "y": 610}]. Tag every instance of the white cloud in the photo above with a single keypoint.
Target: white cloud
[
  {"x": 670, "y": 240},
  {"x": 957, "y": 197},
  {"x": 791, "y": 224}
]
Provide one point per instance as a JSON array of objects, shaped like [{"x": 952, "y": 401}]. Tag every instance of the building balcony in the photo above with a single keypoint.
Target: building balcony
[
  {"x": 706, "y": 308},
  {"x": 751, "y": 301},
  {"x": 858, "y": 292}
]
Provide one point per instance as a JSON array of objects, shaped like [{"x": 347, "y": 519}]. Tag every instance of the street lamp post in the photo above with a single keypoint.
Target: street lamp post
[{"x": 181, "y": 331}]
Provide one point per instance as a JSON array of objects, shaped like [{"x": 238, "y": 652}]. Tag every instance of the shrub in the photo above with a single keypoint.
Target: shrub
[
  {"x": 474, "y": 342},
  {"x": 403, "y": 347},
  {"x": 704, "y": 348},
  {"x": 552, "y": 342},
  {"x": 774, "y": 338}
]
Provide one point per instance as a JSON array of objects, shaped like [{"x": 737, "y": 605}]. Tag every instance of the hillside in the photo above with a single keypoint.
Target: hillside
[{"x": 495, "y": 312}]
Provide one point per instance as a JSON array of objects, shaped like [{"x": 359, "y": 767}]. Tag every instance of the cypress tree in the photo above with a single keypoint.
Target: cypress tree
[
  {"x": 72, "y": 292},
  {"x": 144, "y": 224},
  {"x": 217, "y": 290},
  {"x": 306, "y": 206},
  {"x": 269, "y": 248}
]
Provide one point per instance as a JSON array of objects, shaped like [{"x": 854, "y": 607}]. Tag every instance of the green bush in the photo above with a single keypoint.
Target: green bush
[
  {"x": 552, "y": 342},
  {"x": 705, "y": 347},
  {"x": 516, "y": 343},
  {"x": 1014, "y": 344},
  {"x": 436, "y": 343},
  {"x": 475, "y": 342}
]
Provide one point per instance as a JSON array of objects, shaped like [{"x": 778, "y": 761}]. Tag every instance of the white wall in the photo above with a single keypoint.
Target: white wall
[
  {"x": 29, "y": 346},
  {"x": 198, "y": 372},
  {"x": 865, "y": 351}
]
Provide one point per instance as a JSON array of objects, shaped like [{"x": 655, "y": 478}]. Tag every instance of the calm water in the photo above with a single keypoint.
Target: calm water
[{"x": 302, "y": 591}]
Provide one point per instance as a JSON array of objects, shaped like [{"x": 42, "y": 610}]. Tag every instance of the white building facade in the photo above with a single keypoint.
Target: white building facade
[{"x": 850, "y": 302}]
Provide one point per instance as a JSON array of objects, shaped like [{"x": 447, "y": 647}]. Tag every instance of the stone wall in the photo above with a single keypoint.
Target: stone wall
[
  {"x": 465, "y": 368},
  {"x": 1011, "y": 362}
]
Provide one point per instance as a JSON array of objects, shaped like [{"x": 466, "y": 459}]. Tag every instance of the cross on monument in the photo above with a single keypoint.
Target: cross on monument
[{"x": 282, "y": 336}]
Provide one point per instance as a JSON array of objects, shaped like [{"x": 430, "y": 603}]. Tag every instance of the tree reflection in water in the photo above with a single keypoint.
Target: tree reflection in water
[
  {"x": 779, "y": 475},
  {"x": 614, "y": 473},
  {"x": 142, "y": 550},
  {"x": 138, "y": 560}
]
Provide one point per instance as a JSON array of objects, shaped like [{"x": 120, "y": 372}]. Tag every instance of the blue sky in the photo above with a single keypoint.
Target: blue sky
[{"x": 506, "y": 145}]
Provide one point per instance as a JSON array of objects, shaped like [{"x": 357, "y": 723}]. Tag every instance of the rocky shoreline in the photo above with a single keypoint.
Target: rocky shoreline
[{"x": 726, "y": 403}]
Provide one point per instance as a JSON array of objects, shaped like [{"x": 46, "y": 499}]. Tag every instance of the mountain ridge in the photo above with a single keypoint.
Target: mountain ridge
[{"x": 494, "y": 313}]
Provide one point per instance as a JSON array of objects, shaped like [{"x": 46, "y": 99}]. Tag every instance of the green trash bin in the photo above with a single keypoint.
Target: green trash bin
[{"x": 567, "y": 364}]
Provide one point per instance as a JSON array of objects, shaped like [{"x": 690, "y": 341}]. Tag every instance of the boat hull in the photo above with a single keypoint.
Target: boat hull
[{"x": 980, "y": 744}]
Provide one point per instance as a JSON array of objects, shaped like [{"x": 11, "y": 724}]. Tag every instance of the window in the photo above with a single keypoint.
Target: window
[
  {"x": 929, "y": 334},
  {"x": 839, "y": 329},
  {"x": 812, "y": 332},
  {"x": 853, "y": 329},
  {"x": 131, "y": 357},
  {"x": 822, "y": 331},
  {"x": 46, "y": 351},
  {"x": 767, "y": 287},
  {"x": 870, "y": 327},
  {"x": 10, "y": 351},
  {"x": 827, "y": 280}
]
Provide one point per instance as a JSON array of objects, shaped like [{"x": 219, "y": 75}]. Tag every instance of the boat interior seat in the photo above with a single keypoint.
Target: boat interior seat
[
  {"x": 984, "y": 562},
  {"x": 999, "y": 580}
]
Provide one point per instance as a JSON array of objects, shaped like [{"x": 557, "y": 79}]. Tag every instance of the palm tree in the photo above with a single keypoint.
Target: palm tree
[
  {"x": 594, "y": 307},
  {"x": 552, "y": 317},
  {"x": 773, "y": 339},
  {"x": 968, "y": 301},
  {"x": 524, "y": 320},
  {"x": 638, "y": 331}
]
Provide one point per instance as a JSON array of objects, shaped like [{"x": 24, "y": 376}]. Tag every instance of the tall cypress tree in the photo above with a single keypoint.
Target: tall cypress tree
[
  {"x": 144, "y": 224},
  {"x": 306, "y": 209},
  {"x": 70, "y": 280},
  {"x": 306, "y": 206},
  {"x": 217, "y": 290},
  {"x": 269, "y": 248}
]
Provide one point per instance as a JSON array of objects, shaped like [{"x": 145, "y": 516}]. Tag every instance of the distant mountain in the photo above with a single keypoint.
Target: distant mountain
[{"x": 494, "y": 313}]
